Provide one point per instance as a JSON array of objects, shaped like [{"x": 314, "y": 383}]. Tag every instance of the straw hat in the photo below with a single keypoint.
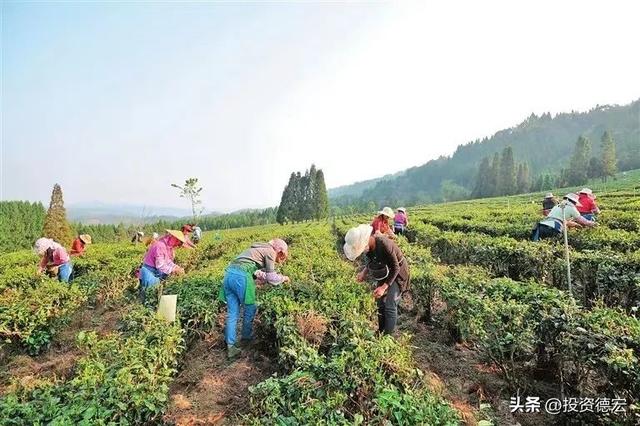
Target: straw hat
[
  {"x": 386, "y": 211},
  {"x": 356, "y": 241},
  {"x": 178, "y": 234},
  {"x": 549, "y": 195},
  {"x": 586, "y": 191},
  {"x": 402, "y": 209},
  {"x": 85, "y": 238},
  {"x": 573, "y": 197}
]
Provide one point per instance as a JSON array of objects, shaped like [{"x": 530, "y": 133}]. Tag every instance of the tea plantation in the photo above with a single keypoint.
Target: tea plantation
[{"x": 475, "y": 276}]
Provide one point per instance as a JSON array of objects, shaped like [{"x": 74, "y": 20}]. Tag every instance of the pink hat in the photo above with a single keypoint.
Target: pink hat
[{"x": 280, "y": 246}]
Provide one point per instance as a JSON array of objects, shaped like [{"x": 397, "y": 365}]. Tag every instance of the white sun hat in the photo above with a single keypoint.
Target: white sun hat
[
  {"x": 357, "y": 240},
  {"x": 549, "y": 195},
  {"x": 387, "y": 212},
  {"x": 586, "y": 191},
  {"x": 402, "y": 209},
  {"x": 573, "y": 197}
]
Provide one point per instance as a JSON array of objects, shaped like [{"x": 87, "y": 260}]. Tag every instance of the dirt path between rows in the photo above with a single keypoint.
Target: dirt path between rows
[
  {"x": 209, "y": 390},
  {"x": 460, "y": 375},
  {"x": 60, "y": 359}
]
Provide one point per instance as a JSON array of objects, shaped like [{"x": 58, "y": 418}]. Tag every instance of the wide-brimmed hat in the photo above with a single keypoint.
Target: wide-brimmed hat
[
  {"x": 586, "y": 191},
  {"x": 386, "y": 211},
  {"x": 356, "y": 241},
  {"x": 549, "y": 195},
  {"x": 378, "y": 271},
  {"x": 402, "y": 209},
  {"x": 85, "y": 238},
  {"x": 179, "y": 235},
  {"x": 573, "y": 197}
]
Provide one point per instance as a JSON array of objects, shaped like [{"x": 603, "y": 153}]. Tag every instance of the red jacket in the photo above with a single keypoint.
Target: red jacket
[
  {"x": 77, "y": 247},
  {"x": 381, "y": 223},
  {"x": 588, "y": 205}
]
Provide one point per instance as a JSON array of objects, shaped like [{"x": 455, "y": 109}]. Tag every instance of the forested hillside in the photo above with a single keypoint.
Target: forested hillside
[{"x": 544, "y": 143}]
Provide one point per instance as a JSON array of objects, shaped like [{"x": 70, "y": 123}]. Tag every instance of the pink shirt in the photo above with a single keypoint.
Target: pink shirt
[
  {"x": 160, "y": 256},
  {"x": 59, "y": 256},
  {"x": 400, "y": 219}
]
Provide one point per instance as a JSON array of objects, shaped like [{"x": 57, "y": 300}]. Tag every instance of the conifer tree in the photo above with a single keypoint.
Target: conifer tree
[
  {"x": 481, "y": 188},
  {"x": 285, "y": 209},
  {"x": 579, "y": 164},
  {"x": 55, "y": 223},
  {"x": 507, "y": 180},
  {"x": 523, "y": 181},
  {"x": 608, "y": 163},
  {"x": 494, "y": 176},
  {"x": 321, "y": 201}
]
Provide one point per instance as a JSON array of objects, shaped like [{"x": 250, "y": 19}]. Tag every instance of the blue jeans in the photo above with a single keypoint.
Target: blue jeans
[
  {"x": 589, "y": 216},
  {"x": 64, "y": 272},
  {"x": 235, "y": 284},
  {"x": 149, "y": 277}
]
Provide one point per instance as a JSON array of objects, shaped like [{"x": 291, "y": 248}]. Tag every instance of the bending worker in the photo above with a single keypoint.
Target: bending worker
[
  {"x": 381, "y": 222},
  {"x": 565, "y": 211},
  {"x": 256, "y": 264},
  {"x": 400, "y": 221},
  {"x": 548, "y": 203},
  {"x": 79, "y": 244},
  {"x": 381, "y": 253},
  {"x": 587, "y": 204},
  {"x": 158, "y": 263},
  {"x": 54, "y": 259}
]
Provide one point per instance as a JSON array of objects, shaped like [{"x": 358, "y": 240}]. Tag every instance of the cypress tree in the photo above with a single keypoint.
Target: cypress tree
[
  {"x": 507, "y": 180},
  {"x": 494, "y": 176},
  {"x": 285, "y": 209},
  {"x": 297, "y": 198},
  {"x": 608, "y": 163},
  {"x": 482, "y": 187},
  {"x": 523, "y": 182},
  {"x": 321, "y": 201},
  {"x": 55, "y": 223},
  {"x": 579, "y": 164},
  {"x": 308, "y": 186}
]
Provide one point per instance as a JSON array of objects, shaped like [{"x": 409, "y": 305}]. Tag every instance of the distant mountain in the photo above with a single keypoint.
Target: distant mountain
[
  {"x": 96, "y": 213},
  {"x": 544, "y": 142},
  {"x": 358, "y": 187}
]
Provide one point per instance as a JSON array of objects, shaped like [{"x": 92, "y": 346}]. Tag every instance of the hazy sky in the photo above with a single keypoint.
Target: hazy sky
[{"x": 117, "y": 101}]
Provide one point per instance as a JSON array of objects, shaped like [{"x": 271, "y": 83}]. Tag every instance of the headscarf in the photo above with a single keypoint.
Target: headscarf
[
  {"x": 44, "y": 244},
  {"x": 280, "y": 246}
]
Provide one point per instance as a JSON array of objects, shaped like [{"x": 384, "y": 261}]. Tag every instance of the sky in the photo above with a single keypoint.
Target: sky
[{"x": 117, "y": 101}]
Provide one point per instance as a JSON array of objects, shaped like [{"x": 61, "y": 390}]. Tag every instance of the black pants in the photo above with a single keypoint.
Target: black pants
[
  {"x": 388, "y": 309},
  {"x": 543, "y": 231}
]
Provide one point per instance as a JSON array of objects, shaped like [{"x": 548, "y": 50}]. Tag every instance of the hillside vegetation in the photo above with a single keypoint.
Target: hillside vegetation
[{"x": 544, "y": 143}]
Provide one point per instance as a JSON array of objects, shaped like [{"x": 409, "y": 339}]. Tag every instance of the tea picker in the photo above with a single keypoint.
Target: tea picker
[
  {"x": 238, "y": 289},
  {"x": 387, "y": 264},
  {"x": 158, "y": 263}
]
